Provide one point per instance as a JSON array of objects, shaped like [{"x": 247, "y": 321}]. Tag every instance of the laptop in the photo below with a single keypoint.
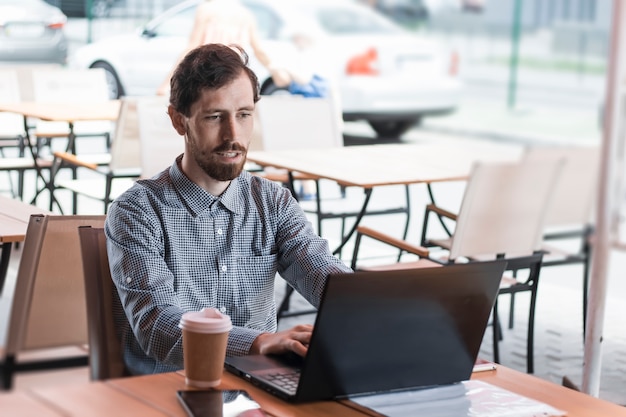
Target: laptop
[{"x": 383, "y": 331}]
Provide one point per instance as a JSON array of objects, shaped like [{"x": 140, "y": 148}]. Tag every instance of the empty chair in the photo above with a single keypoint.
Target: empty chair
[
  {"x": 568, "y": 223},
  {"x": 47, "y": 322},
  {"x": 70, "y": 86},
  {"x": 105, "y": 348},
  {"x": 113, "y": 177},
  {"x": 501, "y": 216},
  {"x": 12, "y": 133},
  {"x": 12, "y": 130},
  {"x": 160, "y": 143},
  {"x": 286, "y": 122}
]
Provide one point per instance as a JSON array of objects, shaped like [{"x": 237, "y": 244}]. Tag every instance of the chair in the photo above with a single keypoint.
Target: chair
[
  {"x": 114, "y": 176},
  {"x": 105, "y": 348},
  {"x": 568, "y": 223},
  {"x": 12, "y": 132},
  {"x": 501, "y": 216},
  {"x": 160, "y": 144},
  {"x": 47, "y": 326},
  {"x": 287, "y": 122},
  {"x": 70, "y": 86}
]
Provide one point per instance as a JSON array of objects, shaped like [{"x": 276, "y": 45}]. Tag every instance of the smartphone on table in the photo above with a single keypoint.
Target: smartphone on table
[{"x": 219, "y": 403}]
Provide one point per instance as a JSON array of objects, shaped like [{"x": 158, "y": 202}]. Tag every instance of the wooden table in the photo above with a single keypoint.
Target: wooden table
[
  {"x": 59, "y": 112},
  {"x": 14, "y": 218},
  {"x": 373, "y": 166},
  {"x": 380, "y": 165},
  {"x": 155, "y": 395}
]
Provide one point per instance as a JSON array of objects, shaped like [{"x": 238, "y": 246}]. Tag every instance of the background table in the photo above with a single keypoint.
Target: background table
[{"x": 14, "y": 218}]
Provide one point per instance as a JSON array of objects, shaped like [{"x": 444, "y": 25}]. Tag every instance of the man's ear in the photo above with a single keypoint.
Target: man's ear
[{"x": 178, "y": 120}]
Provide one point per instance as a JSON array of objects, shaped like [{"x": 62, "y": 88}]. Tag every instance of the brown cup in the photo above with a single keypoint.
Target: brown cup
[{"x": 205, "y": 335}]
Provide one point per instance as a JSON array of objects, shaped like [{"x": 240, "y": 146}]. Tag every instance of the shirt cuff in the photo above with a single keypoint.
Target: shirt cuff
[{"x": 240, "y": 340}]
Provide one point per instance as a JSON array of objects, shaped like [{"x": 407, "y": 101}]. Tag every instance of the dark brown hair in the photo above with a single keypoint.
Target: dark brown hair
[{"x": 209, "y": 66}]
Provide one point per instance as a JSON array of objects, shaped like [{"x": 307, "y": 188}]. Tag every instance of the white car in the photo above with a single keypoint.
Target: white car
[{"x": 384, "y": 75}]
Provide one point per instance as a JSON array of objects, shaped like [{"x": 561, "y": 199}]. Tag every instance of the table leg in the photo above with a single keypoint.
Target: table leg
[
  {"x": 47, "y": 184},
  {"x": 432, "y": 200},
  {"x": 4, "y": 263},
  {"x": 357, "y": 221}
]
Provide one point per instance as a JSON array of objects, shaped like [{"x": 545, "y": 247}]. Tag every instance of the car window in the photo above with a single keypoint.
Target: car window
[
  {"x": 178, "y": 24},
  {"x": 341, "y": 21}
]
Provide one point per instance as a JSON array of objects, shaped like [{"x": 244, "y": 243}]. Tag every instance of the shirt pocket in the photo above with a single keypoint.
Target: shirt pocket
[{"x": 254, "y": 292}]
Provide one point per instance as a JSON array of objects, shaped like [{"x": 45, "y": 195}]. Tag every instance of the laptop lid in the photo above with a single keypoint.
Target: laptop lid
[{"x": 379, "y": 331}]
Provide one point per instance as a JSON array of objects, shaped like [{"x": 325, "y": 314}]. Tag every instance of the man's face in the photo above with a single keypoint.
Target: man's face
[{"x": 219, "y": 129}]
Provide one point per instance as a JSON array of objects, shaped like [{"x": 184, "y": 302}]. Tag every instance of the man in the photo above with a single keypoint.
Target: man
[{"x": 205, "y": 233}]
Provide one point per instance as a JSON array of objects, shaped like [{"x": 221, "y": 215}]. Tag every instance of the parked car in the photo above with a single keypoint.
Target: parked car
[
  {"x": 32, "y": 31},
  {"x": 384, "y": 75}
]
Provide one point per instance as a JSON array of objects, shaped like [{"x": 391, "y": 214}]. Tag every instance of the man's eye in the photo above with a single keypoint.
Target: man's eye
[{"x": 245, "y": 115}]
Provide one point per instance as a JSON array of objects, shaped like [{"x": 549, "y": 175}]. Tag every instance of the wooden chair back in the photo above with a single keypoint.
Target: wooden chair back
[{"x": 105, "y": 348}]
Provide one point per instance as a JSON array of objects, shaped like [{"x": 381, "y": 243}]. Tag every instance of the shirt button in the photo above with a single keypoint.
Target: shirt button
[
  {"x": 219, "y": 231},
  {"x": 222, "y": 309},
  {"x": 224, "y": 268},
  {"x": 128, "y": 280}
]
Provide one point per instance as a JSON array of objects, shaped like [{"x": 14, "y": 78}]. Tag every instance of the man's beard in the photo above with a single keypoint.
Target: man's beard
[{"x": 213, "y": 167}]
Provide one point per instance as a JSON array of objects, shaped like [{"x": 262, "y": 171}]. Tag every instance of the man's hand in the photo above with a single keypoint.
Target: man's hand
[{"x": 295, "y": 340}]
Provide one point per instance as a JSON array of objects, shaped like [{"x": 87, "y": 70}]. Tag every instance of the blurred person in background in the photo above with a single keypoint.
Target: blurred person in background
[{"x": 228, "y": 22}]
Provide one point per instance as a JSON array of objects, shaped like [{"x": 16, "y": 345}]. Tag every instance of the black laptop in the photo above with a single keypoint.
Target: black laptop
[{"x": 381, "y": 331}]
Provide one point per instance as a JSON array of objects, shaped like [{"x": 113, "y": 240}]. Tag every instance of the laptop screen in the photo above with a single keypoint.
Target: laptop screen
[{"x": 379, "y": 331}]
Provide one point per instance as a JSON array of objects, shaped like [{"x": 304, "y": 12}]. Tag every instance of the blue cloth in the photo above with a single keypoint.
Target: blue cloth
[{"x": 317, "y": 87}]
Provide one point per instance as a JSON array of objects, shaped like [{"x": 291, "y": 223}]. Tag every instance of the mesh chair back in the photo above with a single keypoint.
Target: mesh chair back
[
  {"x": 48, "y": 307},
  {"x": 296, "y": 122},
  {"x": 575, "y": 189},
  {"x": 125, "y": 146},
  {"x": 11, "y": 124},
  {"x": 160, "y": 143},
  {"x": 503, "y": 208}
]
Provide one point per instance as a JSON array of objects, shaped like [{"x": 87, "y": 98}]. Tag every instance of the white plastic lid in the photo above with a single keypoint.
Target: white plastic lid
[{"x": 208, "y": 320}]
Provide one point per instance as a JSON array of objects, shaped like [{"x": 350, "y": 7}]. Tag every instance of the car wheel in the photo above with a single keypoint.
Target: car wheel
[
  {"x": 113, "y": 82},
  {"x": 392, "y": 128}
]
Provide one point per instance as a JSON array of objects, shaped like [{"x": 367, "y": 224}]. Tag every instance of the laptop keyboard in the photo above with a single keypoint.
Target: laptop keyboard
[{"x": 287, "y": 381}]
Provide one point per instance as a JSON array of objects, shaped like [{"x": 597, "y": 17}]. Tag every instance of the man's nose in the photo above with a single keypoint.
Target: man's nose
[{"x": 230, "y": 129}]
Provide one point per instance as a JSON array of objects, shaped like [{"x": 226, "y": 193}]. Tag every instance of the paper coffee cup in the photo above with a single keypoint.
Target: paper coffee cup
[{"x": 205, "y": 335}]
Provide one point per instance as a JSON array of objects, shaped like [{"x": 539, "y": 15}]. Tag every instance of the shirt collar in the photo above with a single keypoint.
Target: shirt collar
[{"x": 198, "y": 199}]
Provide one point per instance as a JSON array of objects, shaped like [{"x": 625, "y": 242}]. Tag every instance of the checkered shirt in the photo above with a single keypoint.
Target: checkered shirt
[{"x": 173, "y": 248}]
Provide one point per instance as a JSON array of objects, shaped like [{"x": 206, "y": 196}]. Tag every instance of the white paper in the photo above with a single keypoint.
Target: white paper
[{"x": 469, "y": 398}]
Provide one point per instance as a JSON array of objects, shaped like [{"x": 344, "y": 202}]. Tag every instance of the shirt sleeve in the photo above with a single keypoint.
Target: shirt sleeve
[
  {"x": 305, "y": 260},
  {"x": 145, "y": 284}
]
